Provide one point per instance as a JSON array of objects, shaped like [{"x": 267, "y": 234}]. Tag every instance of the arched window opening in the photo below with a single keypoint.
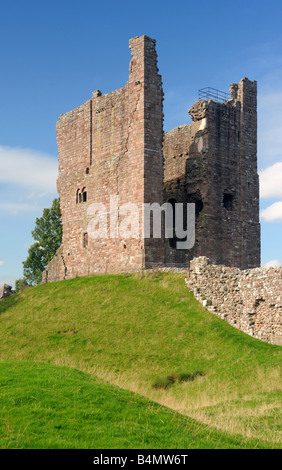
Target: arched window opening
[
  {"x": 84, "y": 195},
  {"x": 81, "y": 196},
  {"x": 77, "y": 196},
  {"x": 85, "y": 240}
]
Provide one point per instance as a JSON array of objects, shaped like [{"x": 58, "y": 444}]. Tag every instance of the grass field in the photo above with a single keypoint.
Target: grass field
[
  {"x": 45, "y": 406},
  {"x": 148, "y": 338}
]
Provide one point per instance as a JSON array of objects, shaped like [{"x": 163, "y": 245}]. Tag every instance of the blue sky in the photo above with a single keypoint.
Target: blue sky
[{"x": 55, "y": 53}]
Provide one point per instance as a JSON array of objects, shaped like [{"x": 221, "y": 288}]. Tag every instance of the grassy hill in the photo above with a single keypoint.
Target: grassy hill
[
  {"x": 45, "y": 406},
  {"x": 148, "y": 335}
]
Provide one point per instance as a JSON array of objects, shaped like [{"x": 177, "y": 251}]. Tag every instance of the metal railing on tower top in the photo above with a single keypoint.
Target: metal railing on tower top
[{"x": 213, "y": 94}]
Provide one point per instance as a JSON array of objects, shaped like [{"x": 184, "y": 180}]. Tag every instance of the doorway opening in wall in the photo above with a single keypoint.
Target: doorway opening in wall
[
  {"x": 196, "y": 198},
  {"x": 173, "y": 241}
]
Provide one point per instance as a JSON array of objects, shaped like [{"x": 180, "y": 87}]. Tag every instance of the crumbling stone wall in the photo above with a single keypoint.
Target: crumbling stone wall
[
  {"x": 56, "y": 270},
  {"x": 250, "y": 300},
  {"x": 5, "y": 291},
  {"x": 213, "y": 163}
]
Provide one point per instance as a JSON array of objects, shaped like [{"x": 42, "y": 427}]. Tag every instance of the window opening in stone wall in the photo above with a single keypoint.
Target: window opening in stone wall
[
  {"x": 173, "y": 240},
  {"x": 81, "y": 195},
  {"x": 85, "y": 240},
  {"x": 84, "y": 195},
  {"x": 199, "y": 205},
  {"x": 77, "y": 196},
  {"x": 228, "y": 200},
  {"x": 196, "y": 198}
]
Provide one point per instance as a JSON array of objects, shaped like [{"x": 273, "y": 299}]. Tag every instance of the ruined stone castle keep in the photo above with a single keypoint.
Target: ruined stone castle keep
[{"x": 114, "y": 144}]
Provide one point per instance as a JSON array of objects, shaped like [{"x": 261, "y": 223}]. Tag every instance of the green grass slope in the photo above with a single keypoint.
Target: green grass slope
[
  {"x": 148, "y": 334},
  {"x": 45, "y": 406}
]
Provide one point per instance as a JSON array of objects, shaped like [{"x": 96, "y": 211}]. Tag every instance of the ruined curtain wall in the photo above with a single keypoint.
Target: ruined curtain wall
[{"x": 250, "y": 300}]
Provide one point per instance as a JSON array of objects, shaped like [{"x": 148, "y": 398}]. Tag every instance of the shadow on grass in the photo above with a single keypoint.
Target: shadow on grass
[
  {"x": 167, "y": 382},
  {"x": 9, "y": 302}
]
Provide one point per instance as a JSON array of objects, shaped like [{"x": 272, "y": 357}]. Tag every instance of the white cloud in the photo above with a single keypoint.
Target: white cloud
[
  {"x": 28, "y": 181},
  {"x": 14, "y": 208},
  {"x": 28, "y": 168},
  {"x": 271, "y": 181},
  {"x": 273, "y": 262},
  {"x": 269, "y": 122},
  {"x": 1, "y": 263},
  {"x": 272, "y": 213}
]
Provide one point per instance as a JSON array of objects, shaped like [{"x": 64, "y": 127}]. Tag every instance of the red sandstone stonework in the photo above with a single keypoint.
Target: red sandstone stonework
[{"x": 114, "y": 144}]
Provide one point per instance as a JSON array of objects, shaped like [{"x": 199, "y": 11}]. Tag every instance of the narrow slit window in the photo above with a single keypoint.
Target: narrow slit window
[
  {"x": 85, "y": 240},
  {"x": 77, "y": 196}
]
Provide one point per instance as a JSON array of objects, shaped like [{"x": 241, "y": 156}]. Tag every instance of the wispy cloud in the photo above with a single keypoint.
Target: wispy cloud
[
  {"x": 28, "y": 180},
  {"x": 2, "y": 262},
  {"x": 271, "y": 181},
  {"x": 14, "y": 208},
  {"x": 273, "y": 262},
  {"x": 272, "y": 213},
  {"x": 28, "y": 168}
]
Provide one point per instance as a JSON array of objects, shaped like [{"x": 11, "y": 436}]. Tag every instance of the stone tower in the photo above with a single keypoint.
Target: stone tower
[
  {"x": 113, "y": 146},
  {"x": 213, "y": 163}
]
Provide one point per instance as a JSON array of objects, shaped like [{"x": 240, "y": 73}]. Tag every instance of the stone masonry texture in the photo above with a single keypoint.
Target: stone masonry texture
[
  {"x": 114, "y": 144},
  {"x": 250, "y": 300}
]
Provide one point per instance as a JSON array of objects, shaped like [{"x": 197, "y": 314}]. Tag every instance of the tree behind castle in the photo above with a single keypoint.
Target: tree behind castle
[{"x": 48, "y": 237}]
